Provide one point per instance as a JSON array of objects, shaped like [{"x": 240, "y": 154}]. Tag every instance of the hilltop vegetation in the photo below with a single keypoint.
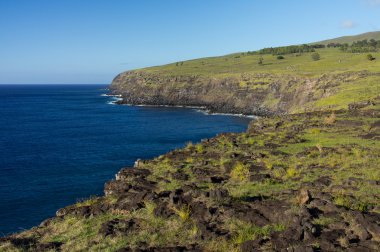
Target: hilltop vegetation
[
  {"x": 351, "y": 39},
  {"x": 360, "y": 46}
]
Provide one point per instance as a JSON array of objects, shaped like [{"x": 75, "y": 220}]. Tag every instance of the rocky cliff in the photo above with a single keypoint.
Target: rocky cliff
[{"x": 257, "y": 94}]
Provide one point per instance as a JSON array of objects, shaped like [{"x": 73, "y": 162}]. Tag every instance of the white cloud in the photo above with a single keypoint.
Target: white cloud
[{"x": 348, "y": 24}]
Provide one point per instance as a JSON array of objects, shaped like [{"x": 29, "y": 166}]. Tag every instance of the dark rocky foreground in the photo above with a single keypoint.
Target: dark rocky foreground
[{"x": 305, "y": 182}]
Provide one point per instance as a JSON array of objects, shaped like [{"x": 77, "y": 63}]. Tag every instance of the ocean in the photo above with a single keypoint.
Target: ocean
[{"x": 61, "y": 143}]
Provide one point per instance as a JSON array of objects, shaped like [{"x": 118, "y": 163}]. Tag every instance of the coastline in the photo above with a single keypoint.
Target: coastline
[
  {"x": 202, "y": 109},
  {"x": 239, "y": 181},
  {"x": 280, "y": 184},
  {"x": 111, "y": 125}
]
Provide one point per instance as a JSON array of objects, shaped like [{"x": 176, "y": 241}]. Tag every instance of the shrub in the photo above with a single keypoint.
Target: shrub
[
  {"x": 240, "y": 172},
  {"x": 315, "y": 56},
  {"x": 330, "y": 119},
  {"x": 361, "y": 206},
  {"x": 189, "y": 160},
  {"x": 261, "y": 143},
  {"x": 183, "y": 213},
  {"x": 370, "y": 57},
  {"x": 149, "y": 207},
  {"x": 199, "y": 148},
  {"x": 248, "y": 140},
  {"x": 291, "y": 172},
  {"x": 367, "y": 127},
  {"x": 189, "y": 146},
  {"x": 319, "y": 147},
  {"x": 260, "y": 61},
  {"x": 315, "y": 131},
  {"x": 342, "y": 200},
  {"x": 280, "y": 57},
  {"x": 350, "y": 203},
  {"x": 278, "y": 173}
]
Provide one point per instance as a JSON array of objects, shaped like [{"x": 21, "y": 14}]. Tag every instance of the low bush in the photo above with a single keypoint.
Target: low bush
[{"x": 240, "y": 172}]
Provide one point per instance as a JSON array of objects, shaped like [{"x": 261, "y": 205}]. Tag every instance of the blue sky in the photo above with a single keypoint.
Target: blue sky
[{"x": 90, "y": 41}]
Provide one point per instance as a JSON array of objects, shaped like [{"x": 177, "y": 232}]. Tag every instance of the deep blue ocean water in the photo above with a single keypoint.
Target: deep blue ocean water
[{"x": 61, "y": 143}]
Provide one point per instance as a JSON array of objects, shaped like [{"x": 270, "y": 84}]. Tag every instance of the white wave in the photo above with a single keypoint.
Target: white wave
[
  {"x": 229, "y": 114},
  {"x": 207, "y": 112},
  {"x": 110, "y": 95},
  {"x": 199, "y": 109},
  {"x": 166, "y": 106},
  {"x": 114, "y": 99}
]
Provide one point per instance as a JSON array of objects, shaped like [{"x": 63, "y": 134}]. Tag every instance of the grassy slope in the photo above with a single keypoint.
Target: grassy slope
[
  {"x": 350, "y": 39},
  {"x": 332, "y": 62}
]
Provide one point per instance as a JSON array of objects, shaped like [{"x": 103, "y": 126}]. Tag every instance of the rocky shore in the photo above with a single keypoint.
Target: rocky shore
[{"x": 302, "y": 182}]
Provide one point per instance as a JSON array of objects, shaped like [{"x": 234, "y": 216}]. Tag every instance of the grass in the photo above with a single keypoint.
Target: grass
[
  {"x": 183, "y": 212},
  {"x": 199, "y": 148},
  {"x": 80, "y": 234},
  {"x": 360, "y": 90},
  {"x": 259, "y": 189},
  {"x": 291, "y": 172},
  {"x": 328, "y": 139},
  {"x": 87, "y": 202},
  {"x": 245, "y": 231},
  {"x": 324, "y": 221},
  {"x": 332, "y": 60}
]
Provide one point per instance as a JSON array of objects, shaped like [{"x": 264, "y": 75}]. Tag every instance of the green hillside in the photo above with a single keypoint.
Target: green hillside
[
  {"x": 351, "y": 39},
  {"x": 332, "y": 61},
  {"x": 294, "y": 84}
]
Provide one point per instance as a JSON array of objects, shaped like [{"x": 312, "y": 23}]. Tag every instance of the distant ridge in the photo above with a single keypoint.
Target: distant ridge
[{"x": 350, "y": 39}]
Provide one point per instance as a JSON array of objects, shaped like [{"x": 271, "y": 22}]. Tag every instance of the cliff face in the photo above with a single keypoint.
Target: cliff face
[
  {"x": 217, "y": 95},
  {"x": 258, "y": 94}
]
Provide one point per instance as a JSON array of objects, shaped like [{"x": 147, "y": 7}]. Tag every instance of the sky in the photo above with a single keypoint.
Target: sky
[{"x": 91, "y": 41}]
